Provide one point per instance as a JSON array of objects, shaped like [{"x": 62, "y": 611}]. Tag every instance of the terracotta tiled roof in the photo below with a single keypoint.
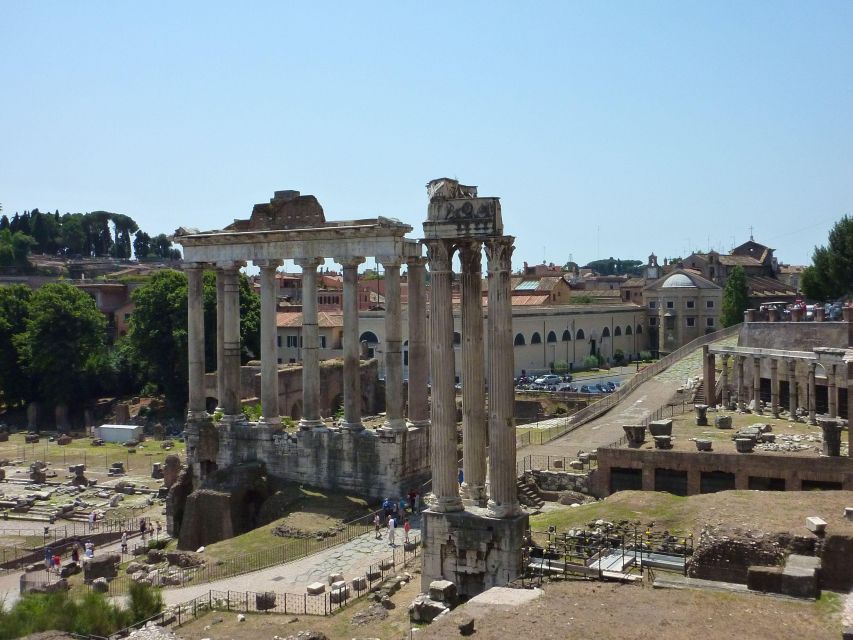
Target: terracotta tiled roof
[
  {"x": 634, "y": 282},
  {"x": 764, "y": 287},
  {"x": 744, "y": 261}
]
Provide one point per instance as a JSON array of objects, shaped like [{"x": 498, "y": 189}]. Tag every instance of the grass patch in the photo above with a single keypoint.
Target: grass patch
[{"x": 673, "y": 513}]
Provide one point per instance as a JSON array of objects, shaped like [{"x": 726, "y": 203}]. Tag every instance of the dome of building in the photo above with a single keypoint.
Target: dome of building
[{"x": 677, "y": 280}]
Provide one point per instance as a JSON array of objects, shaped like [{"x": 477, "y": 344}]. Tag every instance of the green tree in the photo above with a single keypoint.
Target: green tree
[
  {"x": 735, "y": 298},
  {"x": 158, "y": 329},
  {"x": 141, "y": 245},
  {"x": 830, "y": 276},
  {"x": 14, "y": 310},
  {"x": 158, "y": 334},
  {"x": 73, "y": 234},
  {"x": 63, "y": 348}
]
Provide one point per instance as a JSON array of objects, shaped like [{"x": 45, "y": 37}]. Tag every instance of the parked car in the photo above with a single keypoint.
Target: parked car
[
  {"x": 602, "y": 388},
  {"x": 587, "y": 388},
  {"x": 610, "y": 385},
  {"x": 548, "y": 379}
]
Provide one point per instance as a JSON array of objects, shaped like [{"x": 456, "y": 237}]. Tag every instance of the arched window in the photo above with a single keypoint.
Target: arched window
[
  {"x": 519, "y": 340},
  {"x": 369, "y": 337},
  {"x": 567, "y": 335},
  {"x": 628, "y": 331},
  {"x": 579, "y": 335},
  {"x": 639, "y": 329},
  {"x": 605, "y": 333},
  {"x": 536, "y": 338},
  {"x": 617, "y": 331},
  {"x": 552, "y": 337}
]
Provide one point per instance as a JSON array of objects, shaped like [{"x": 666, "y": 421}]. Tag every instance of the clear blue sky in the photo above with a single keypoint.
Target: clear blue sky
[{"x": 608, "y": 129}]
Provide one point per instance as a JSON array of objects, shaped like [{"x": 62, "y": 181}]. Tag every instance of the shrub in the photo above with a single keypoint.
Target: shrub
[
  {"x": 561, "y": 367},
  {"x": 645, "y": 355},
  {"x": 253, "y": 412},
  {"x": 618, "y": 356},
  {"x": 158, "y": 544},
  {"x": 590, "y": 362},
  {"x": 150, "y": 389},
  {"x": 144, "y": 602}
]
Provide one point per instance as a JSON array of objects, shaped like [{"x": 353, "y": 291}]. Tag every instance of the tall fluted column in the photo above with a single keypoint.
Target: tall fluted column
[
  {"x": 474, "y": 425},
  {"x": 831, "y": 390},
  {"x": 443, "y": 453},
  {"x": 709, "y": 376},
  {"x": 352, "y": 363},
  {"x": 756, "y": 384},
  {"x": 231, "y": 406},
  {"x": 220, "y": 339},
  {"x": 792, "y": 388},
  {"x": 724, "y": 381},
  {"x": 741, "y": 383},
  {"x": 269, "y": 352},
  {"x": 503, "y": 493},
  {"x": 311, "y": 345},
  {"x": 196, "y": 408},
  {"x": 811, "y": 392},
  {"x": 394, "y": 418},
  {"x": 774, "y": 387},
  {"x": 418, "y": 356}
]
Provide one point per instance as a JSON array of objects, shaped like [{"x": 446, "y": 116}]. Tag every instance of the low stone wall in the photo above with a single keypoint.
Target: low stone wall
[
  {"x": 795, "y": 336},
  {"x": 792, "y": 469},
  {"x": 561, "y": 480}
]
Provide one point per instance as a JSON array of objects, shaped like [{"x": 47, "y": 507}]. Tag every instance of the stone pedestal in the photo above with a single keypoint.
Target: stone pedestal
[
  {"x": 701, "y": 415},
  {"x": 831, "y": 436},
  {"x": 471, "y": 549},
  {"x": 661, "y": 427},
  {"x": 635, "y": 434}
]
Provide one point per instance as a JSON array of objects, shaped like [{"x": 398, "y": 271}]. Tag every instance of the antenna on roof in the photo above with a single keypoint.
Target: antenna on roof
[{"x": 750, "y": 234}]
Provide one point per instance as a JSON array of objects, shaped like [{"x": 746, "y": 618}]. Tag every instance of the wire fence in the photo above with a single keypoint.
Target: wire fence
[
  {"x": 322, "y": 604},
  {"x": 94, "y": 459},
  {"x": 582, "y": 463},
  {"x": 669, "y": 410},
  {"x": 295, "y": 549},
  {"x": 596, "y": 409}
]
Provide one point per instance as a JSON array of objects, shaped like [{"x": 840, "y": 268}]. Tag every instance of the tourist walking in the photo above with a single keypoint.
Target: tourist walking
[
  {"x": 75, "y": 552},
  {"x": 142, "y": 528},
  {"x": 124, "y": 541},
  {"x": 417, "y": 503},
  {"x": 48, "y": 558},
  {"x": 392, "y": 524},
  {"x": 91, "y": 521},
  {"x": 377, "y": 525},
  {"x": 406, "y": 528}
]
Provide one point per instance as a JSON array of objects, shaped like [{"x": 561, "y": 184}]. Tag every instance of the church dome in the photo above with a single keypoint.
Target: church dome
[{"x": 677, "y": 280}]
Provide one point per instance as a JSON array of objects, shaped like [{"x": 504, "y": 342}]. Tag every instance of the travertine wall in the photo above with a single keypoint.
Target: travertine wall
[{"x": 795, "y": 336}]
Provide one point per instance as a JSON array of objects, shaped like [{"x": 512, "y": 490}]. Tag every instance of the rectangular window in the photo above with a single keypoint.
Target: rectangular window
[
  {"x": 322, "y": 342},
  {"x": 709, "y": 322},
  {"x": 653, "y": 304},
  {"x": 653, "y": 321},
  {"x": 670, "y": 304},
  {"x": 709, "y": 304},
  {"x": 691, "y": 322},
  {"x": 292, "y": 342},
  {"x": 691, "y": 304},
  {"x": 278, "y": 341},
  {"x": 279, "y": 360}
]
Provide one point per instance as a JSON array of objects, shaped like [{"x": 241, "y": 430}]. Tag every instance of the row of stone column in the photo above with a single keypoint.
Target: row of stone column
[
  {"x": 747, "y": 372},
  {"x": 498, "y": 431},
  {"x": 228, "y": 343}
]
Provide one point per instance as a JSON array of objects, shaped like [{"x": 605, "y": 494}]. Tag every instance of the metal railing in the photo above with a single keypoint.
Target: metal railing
[
  {"x": 669, "y": 410},
  {"x": 596, "y": 409},
  {"x": 295, "y": 549},
  {"x": 534, "y": 462},
  {"x": 283, "y": 603}
]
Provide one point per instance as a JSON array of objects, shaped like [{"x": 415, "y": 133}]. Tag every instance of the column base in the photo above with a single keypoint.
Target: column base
[
  {"x": 307, "y": 424},
  {"x": 273, "y": 421},
  {"x": 417, "y": 424},
  {"x": 197, "y": 416},
  {"x": 352, "y": 426},
  {"x": 473, "y": 495},
  {"x": 397, "y": 424},
  {"x": 510, "y": 510},
  {"x": 447, "y": 504},
  {"x": 229, "y": 419}
]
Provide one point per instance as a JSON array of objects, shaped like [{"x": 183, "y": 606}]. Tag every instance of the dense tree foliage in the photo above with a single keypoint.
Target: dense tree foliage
[
  {"x": 94, "y": 234},
  {"x": 15, "y": 384},
  {"x": 63, "y": 348},
  {"x": 830, "y": 276},
  {"x": 735, "y": 298},
  {"x": 616, "y": 267},
  {"x": 158, "y": 329}
]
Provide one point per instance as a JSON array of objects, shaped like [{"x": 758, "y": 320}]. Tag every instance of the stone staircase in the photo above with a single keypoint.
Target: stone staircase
[{"x": 528, "y": 494}]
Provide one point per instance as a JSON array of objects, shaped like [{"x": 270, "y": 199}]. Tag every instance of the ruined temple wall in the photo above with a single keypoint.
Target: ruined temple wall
[
  {"x": 795, "y": 336},
  {"x": 792, "y": 469}
]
